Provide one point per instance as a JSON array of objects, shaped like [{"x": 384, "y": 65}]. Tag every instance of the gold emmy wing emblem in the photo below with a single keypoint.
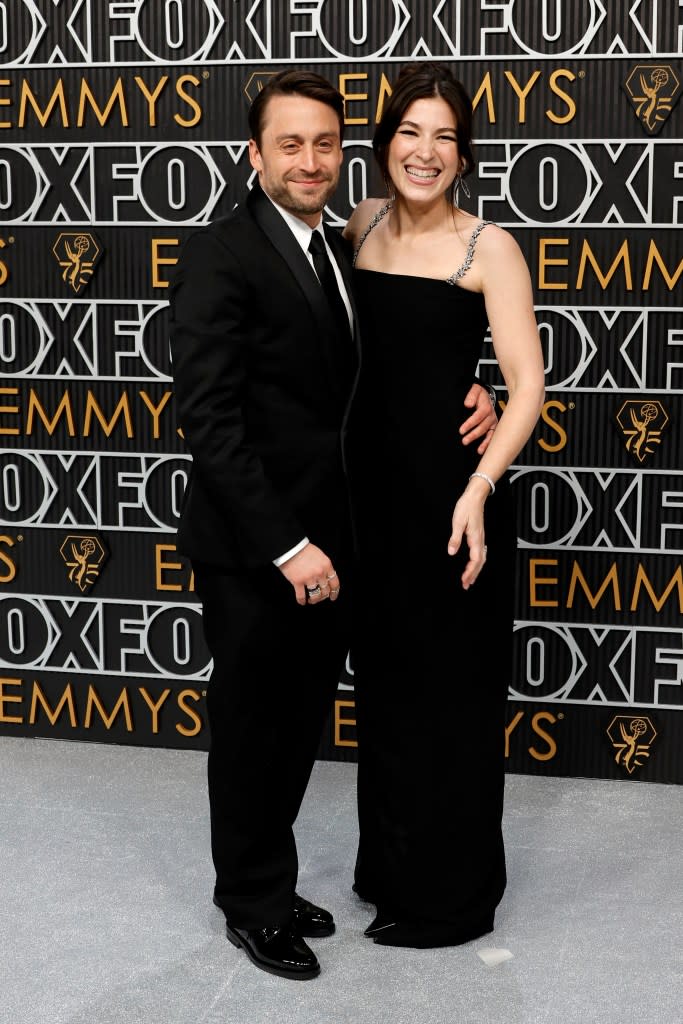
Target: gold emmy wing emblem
[
  {"x": 632, "y": 739},
  {"x": 84, "y": 558},
  {"x": 77, "y": 252},
  {"x": 653, "y": 90},
  {"x": 256, "y": 82},
  {"x": 642, "y": 424}
]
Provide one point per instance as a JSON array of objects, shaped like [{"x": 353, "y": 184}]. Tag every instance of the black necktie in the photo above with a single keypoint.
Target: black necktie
[{"x": 328, "y": 280}]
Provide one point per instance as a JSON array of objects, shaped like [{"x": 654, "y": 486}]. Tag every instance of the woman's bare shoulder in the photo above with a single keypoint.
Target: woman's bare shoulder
[
  {"x": 499, "y": 258},
  {"x": 361, "y": 217},
  {"x": 494, "y": 240}
]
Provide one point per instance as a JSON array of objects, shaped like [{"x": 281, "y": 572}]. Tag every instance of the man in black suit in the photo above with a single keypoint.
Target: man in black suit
[{"x": 264, "y": 354}]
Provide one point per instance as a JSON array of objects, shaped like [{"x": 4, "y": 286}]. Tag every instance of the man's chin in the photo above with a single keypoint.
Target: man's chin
[{"x": 300, "y": 201}]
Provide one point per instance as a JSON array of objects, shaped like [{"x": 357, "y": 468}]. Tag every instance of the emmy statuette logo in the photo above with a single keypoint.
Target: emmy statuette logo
[
  {"x": 77, "y": 253},
  {"x": 256, "y": 82},
  {"x": 653, "y": 90},
  {"x": 84, "y": 557},
  {"x": 632, "y": 739},
  {"x": 642, "y": 424}
]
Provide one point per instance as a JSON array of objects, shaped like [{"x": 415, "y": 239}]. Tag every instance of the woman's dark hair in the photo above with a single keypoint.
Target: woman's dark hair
[
  {"x": 295, "y": 83},
  {"x": 420, "y": 82}
]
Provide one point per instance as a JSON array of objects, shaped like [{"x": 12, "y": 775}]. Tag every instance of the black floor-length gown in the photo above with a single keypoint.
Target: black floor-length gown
[{"x": 431, "y": 660}]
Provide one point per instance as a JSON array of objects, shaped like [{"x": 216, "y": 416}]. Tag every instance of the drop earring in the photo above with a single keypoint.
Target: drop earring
[{"x": 458, "y": 183}]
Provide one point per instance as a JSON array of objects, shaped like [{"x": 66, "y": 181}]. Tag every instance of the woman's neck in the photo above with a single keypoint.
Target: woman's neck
[{"x": 409, "y": 219}]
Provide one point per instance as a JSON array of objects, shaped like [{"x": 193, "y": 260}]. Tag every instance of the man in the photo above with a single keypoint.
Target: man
[{"x": 264, "y": 354}]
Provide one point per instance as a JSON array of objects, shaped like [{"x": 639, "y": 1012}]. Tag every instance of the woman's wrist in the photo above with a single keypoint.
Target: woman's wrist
[{"x": 482, "y": 480}]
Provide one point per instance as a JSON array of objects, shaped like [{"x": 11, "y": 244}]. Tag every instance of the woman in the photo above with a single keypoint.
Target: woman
[{"x": 433, "y": 652}]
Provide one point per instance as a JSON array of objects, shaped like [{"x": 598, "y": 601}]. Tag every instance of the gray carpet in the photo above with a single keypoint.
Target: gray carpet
[{"x": 107, "y": 915}]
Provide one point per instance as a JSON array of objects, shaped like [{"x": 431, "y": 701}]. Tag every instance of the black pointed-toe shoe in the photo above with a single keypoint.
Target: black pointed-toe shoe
[
  {"x": 311, "y": 921},
  {"x": 278, "y": 951},
  {"x": 379, "y": 923},
  {"x": 429, "y": 934}
]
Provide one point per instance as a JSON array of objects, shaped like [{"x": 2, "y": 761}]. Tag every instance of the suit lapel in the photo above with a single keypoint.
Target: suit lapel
[{"x": 328, "y": 334}]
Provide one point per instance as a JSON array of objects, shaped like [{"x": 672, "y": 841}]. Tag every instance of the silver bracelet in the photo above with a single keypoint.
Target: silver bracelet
[{"x": 487, "y": 478}]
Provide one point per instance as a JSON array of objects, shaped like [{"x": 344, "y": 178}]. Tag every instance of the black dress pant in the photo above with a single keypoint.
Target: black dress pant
[{"x": 276, "y": 669}]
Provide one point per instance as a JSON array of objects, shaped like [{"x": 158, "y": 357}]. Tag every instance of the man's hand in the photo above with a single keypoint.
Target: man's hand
[
  {"x": 312, "y": 575},
  {"x": 483, "y": 420}
]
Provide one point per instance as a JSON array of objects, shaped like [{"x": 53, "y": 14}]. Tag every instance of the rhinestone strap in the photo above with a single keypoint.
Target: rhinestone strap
[
  {"x": 469, "y": 255},
  {"x": 373, "y": 223}
]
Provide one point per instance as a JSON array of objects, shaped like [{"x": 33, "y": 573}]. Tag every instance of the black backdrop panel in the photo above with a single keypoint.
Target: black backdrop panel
[{"x": 122, "y": 128}]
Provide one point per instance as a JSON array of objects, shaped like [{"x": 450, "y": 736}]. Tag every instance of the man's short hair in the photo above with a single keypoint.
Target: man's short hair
[{"x": 295, "y": 83}]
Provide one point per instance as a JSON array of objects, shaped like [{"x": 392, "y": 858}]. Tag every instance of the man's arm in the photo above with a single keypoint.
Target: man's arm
[{"x": 209, "y": 330}]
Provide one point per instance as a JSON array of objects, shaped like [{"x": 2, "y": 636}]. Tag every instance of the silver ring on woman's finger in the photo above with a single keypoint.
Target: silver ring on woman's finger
[
  {"x": 334, "y": 590},
  {"x": 313, "y": 591},
  {"x": 331, "y": 575},
  {"x": 486, "y": 551}
]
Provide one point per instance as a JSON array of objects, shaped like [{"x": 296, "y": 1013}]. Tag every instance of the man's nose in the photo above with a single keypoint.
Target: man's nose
[{"x": 308, "y": 158}]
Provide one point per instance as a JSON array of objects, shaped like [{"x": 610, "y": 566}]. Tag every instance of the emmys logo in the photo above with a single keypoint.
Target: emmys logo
[
  {"x": 632, "y": 739},
  {"x": 642, "y": 424},
  {"x": 84, "y": 557},
  {"x": 653, "y": 90},
  {"x": 256, "y": 82},
  {"x": 77, "y": 253}
]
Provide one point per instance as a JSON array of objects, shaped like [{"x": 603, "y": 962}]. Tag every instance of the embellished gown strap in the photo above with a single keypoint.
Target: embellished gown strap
[
  {"x": 372, "y": 224},
  {"x": 469, "y": 255}
]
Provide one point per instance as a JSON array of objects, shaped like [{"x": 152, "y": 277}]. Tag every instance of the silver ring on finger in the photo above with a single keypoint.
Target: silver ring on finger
[
  {"x": 331, "y": 575},
  {"x": 334, "y": 590},
  {"x": 313, "y": 591}
]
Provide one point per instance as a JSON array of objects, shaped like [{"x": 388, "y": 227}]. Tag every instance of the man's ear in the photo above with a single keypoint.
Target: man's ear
[{"x": 255, "y": 156}]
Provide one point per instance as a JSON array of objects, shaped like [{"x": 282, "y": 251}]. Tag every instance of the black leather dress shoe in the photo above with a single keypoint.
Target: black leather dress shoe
[
  {"x": 276, "y": 950},
  {"x": 311, "y": 921}
]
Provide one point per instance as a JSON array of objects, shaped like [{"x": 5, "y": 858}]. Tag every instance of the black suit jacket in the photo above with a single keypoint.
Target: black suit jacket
[{"x": 263, "y": 377}]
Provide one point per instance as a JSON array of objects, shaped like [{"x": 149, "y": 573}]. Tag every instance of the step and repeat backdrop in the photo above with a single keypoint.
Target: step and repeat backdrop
[{"x": 123, "y": 125}]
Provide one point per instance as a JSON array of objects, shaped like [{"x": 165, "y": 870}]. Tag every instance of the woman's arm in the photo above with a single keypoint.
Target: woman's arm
[{"x": 506, "y": 285}]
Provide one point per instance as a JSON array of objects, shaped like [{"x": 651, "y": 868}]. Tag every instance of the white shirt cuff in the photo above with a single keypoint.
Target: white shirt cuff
[{"x": 290, "y": 554}]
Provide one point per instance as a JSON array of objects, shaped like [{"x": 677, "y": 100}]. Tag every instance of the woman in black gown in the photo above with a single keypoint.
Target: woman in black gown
[{"x": 432, "y": 652}]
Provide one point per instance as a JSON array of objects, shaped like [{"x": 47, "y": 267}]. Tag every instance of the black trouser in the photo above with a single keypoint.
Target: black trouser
[{"x": 276, "y": 669}]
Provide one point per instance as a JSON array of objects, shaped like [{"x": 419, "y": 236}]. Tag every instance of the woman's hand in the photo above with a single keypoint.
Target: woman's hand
[{"x": 468, "y": 522}]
